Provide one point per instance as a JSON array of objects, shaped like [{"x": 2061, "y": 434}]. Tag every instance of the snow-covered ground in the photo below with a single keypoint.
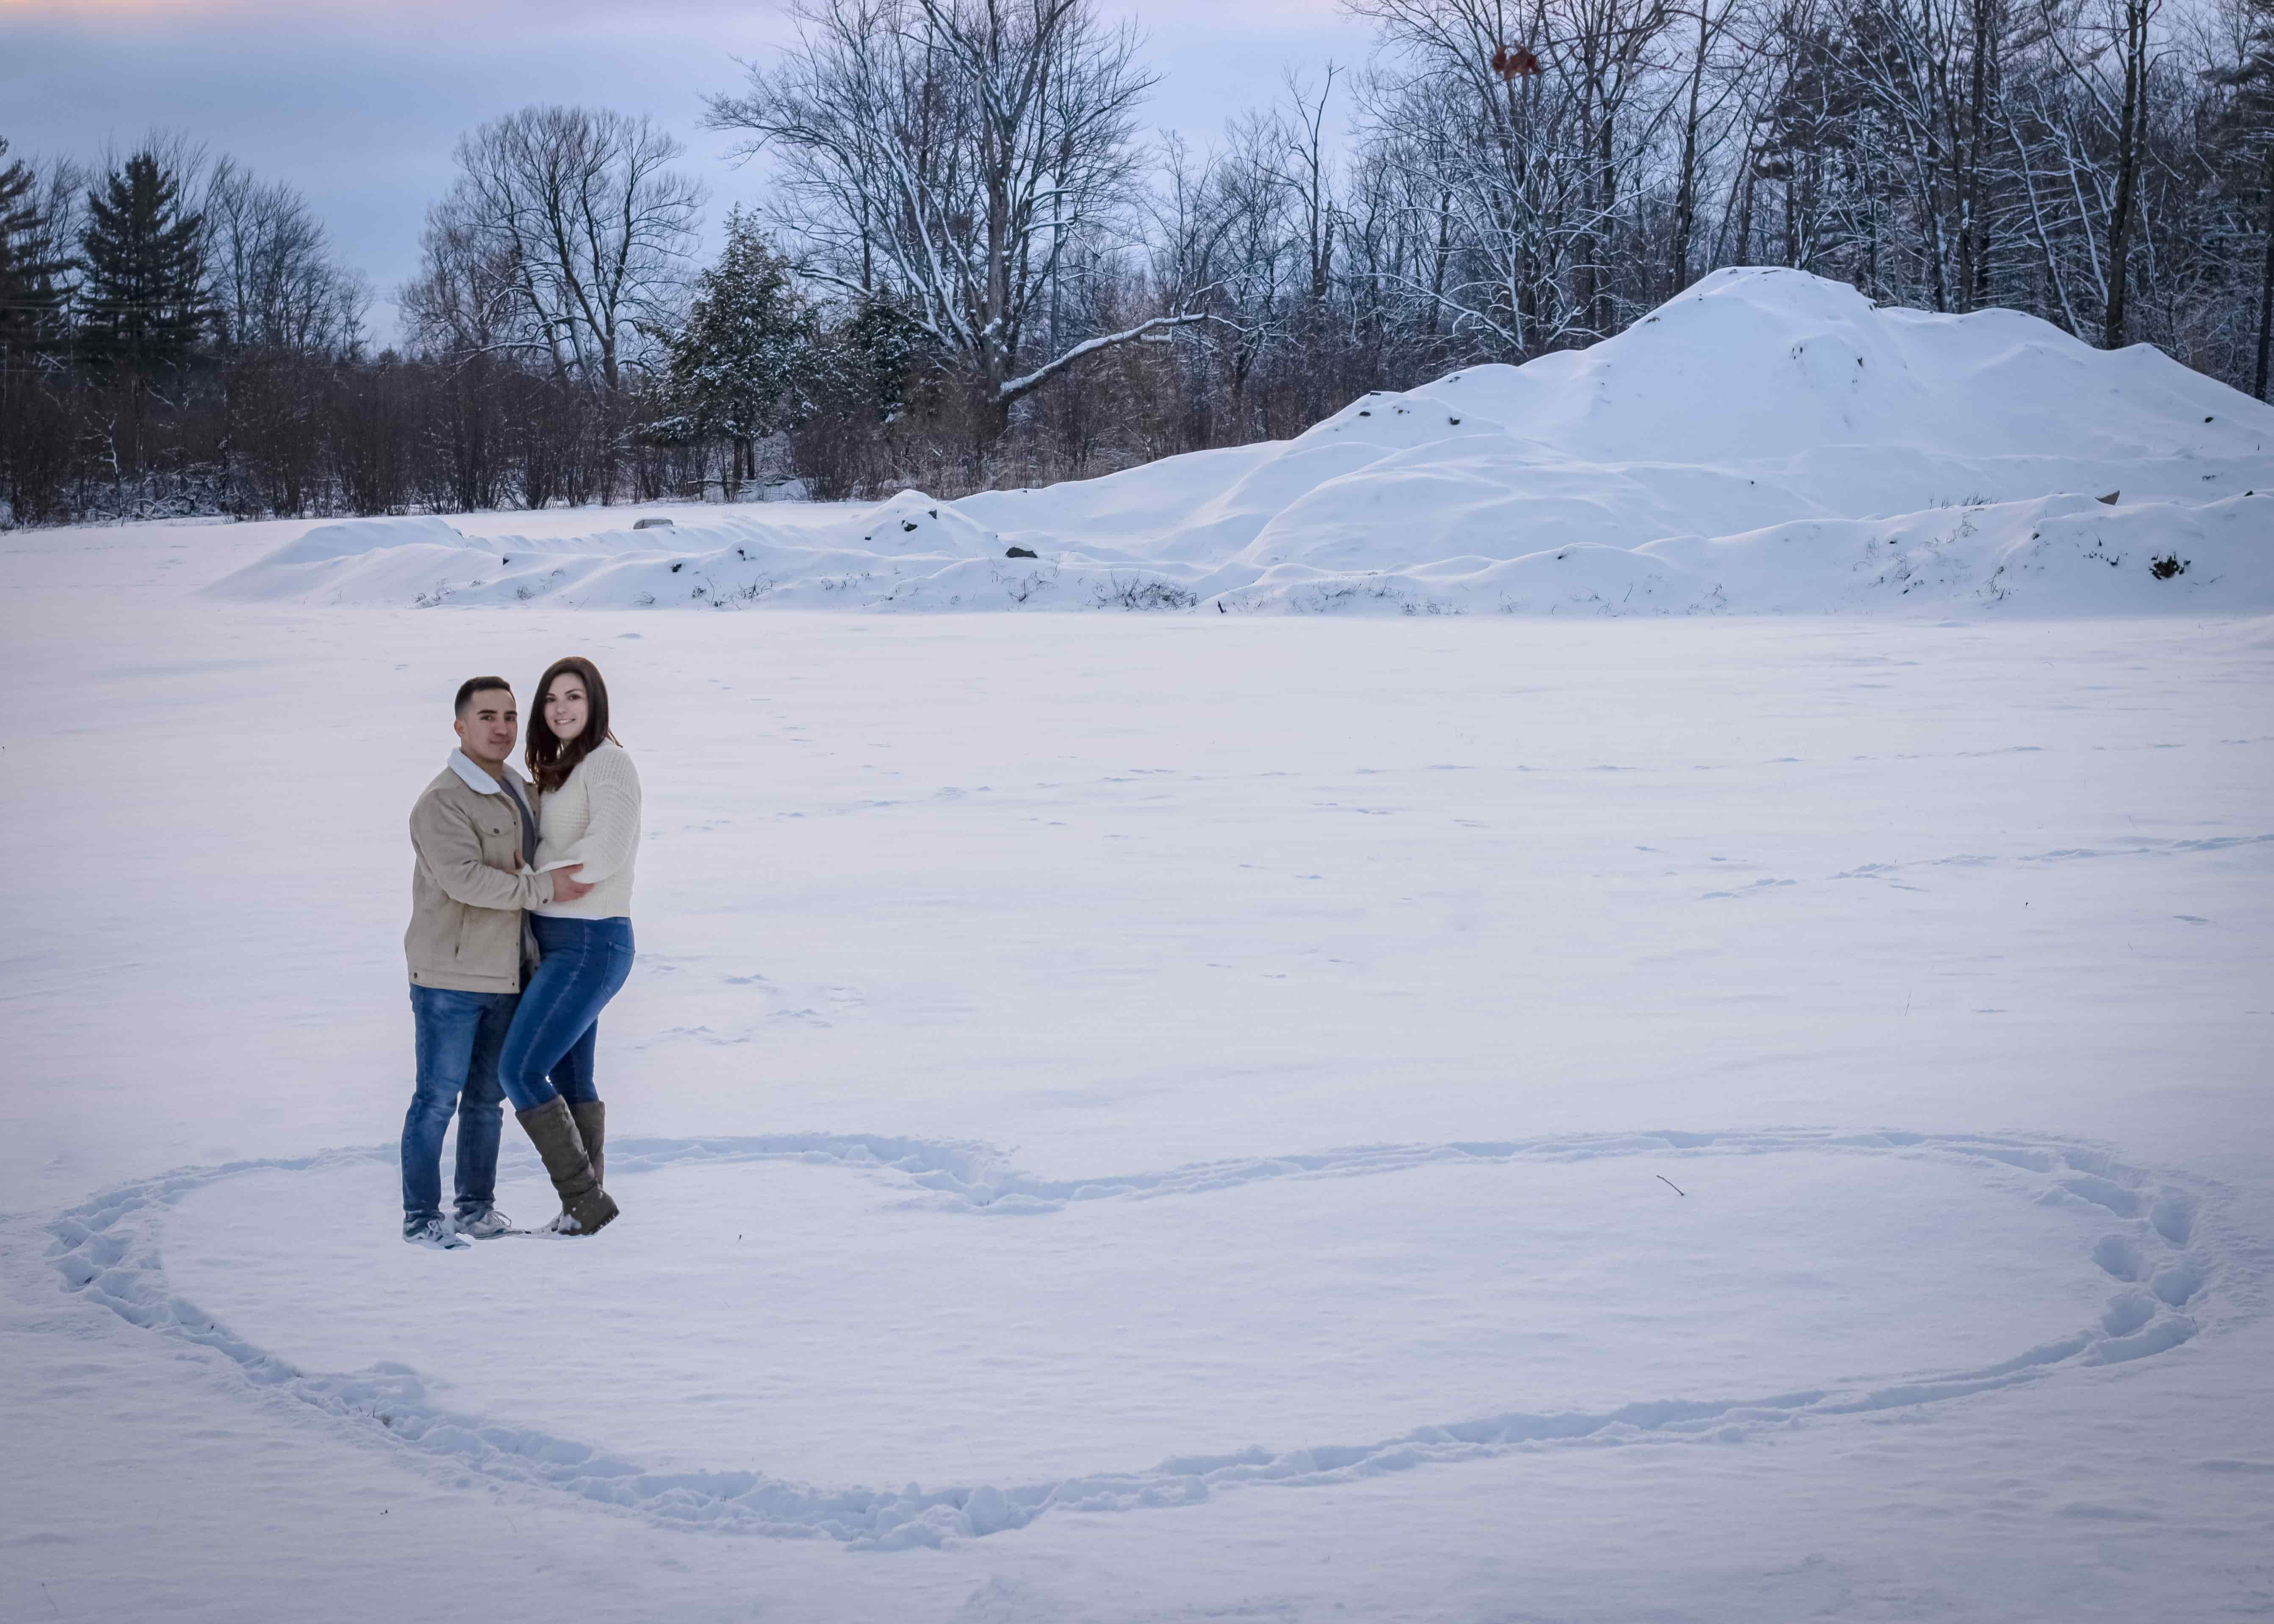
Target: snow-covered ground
[
  {"x": 1769, "y": 443},
  {"x": 1144, "y": 1117}
]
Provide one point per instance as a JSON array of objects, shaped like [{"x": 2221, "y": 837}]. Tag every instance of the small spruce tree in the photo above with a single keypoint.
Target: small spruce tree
[
  {"x": 886, "y": 350},
  {"x": 31, "y": 302},
  {"x": 742, "y": 366},
  {"x": 142, "y": 300}
]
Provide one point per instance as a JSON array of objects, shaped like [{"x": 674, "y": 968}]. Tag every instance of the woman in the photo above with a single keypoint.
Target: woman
[{"x": 588, "y": 819}]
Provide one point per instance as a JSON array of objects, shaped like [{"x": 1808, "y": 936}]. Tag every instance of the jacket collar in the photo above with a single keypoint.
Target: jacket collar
[{"x": 475, "y": 779}]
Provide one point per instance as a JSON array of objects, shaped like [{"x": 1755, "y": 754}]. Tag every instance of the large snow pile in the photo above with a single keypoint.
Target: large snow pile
[{"x": 1768, "y": 442}]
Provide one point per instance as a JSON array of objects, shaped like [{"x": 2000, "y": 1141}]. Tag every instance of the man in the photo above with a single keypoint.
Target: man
[{"x": 473, "y": 835}]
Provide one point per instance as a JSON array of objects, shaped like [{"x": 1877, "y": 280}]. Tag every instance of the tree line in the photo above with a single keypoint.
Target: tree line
[{"x": 971, "y": 269}]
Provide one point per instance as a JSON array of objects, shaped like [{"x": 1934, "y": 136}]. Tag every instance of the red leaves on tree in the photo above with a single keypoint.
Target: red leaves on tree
[{"x": 1514, "y": 64}]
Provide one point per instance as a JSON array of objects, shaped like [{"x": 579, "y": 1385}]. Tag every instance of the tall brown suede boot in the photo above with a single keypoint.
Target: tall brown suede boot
[
  {"x": 553, "y": 1131},
  {"x": 593, "y": 1126}
]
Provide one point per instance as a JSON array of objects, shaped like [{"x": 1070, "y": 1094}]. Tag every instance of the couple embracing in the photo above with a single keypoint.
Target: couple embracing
[{"x": 520, "y": 933}]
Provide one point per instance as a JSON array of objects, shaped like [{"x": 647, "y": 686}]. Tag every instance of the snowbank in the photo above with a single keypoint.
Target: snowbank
[{"x": 1769, "y": 443}]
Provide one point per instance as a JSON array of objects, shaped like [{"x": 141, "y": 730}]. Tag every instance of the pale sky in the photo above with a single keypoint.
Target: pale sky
[{"x": 358, "y": 105}]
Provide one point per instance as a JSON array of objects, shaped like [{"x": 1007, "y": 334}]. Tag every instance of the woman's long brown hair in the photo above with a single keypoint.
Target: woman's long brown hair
[{"x": 550, "y": 761}]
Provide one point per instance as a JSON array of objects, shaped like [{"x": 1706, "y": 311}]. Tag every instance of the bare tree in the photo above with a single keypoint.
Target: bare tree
[
  {"x": 2128, "y": 26},
  {"x": 951, "y": 155},
  {"x": 1305, "y": 170},
  {"x": 1702, "y": 129},
  {"x": 1542, "y": 157},
  {"x": 1252, "y": 261},
  {"x": 273, "y": 281},
  {"x": 578, "y": 211}
]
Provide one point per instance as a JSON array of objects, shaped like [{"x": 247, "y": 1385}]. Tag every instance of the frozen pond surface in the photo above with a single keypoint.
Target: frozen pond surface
[{"x": 1130, "y": 1053}]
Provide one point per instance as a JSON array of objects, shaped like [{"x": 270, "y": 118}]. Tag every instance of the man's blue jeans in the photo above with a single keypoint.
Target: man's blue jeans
[
  {"x": 460, "y": 1035},
  {"x": 557, "y": 1029}
]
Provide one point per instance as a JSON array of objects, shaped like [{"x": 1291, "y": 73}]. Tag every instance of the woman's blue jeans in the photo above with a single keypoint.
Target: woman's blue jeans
[{"x": 548, "y": 1052}]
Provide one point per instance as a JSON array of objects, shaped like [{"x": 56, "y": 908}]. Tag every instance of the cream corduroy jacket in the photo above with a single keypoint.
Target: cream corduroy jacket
[
  {"x": 468, "y": 883},
  {"x": 593, "y": 820}
]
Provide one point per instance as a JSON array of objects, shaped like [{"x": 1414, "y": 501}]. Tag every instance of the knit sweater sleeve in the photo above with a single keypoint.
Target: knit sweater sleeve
[{"x": 611, "y": 786}]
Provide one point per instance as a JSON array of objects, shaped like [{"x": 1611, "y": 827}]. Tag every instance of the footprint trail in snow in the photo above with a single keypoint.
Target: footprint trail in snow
[{"x": 2165, "y": 1274}]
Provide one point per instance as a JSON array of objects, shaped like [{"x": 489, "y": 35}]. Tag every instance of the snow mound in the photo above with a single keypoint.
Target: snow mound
[{"x": 1768, "y": 442}]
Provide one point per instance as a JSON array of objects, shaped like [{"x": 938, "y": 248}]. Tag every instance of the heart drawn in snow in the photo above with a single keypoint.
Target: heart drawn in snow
[{"x": 780, "y": 1321}]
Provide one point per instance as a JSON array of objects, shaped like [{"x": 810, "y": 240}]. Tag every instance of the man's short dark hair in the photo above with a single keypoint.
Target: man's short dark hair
[{"x": 472, "y": 686}]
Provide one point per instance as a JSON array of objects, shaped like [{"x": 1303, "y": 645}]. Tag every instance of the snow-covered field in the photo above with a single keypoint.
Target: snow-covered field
[
  {"x": 1769, "y": 443},
  {"x": 1148, "y": 1117}
]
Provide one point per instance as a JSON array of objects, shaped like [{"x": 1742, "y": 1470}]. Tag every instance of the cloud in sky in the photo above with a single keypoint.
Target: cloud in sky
[{"x": 358, "y": 105}]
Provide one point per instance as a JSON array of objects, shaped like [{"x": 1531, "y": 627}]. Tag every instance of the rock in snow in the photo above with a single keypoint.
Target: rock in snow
[{"x": 1768, "y": 442}]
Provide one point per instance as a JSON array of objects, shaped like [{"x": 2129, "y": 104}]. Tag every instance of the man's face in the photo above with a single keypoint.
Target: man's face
[{"x": 487, "y": 728}]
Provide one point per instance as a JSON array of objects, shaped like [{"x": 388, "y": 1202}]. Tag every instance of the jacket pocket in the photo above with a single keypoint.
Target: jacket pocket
[{"x": 489, "y": 943}]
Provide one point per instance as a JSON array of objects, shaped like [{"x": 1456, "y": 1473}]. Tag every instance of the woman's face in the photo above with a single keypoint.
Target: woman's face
[{"x": 565, "y": 706}]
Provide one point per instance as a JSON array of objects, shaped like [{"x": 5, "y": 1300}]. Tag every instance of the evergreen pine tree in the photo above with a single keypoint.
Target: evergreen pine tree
[
  {"x": 142, "y": 303},
  {"x": 30, "y": 302},
  {"x": 885, "y": 351},
  {"x": 742, "y": 364}
]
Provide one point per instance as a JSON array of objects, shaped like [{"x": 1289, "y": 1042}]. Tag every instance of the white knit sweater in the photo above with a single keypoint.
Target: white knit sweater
[{"x": 594, "y": 820}]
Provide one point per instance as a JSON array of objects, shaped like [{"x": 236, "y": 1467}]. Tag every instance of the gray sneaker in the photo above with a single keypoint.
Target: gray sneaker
[
  {"x": 484, "y": 1224},
  {"x": 434, "y": 1233}
]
